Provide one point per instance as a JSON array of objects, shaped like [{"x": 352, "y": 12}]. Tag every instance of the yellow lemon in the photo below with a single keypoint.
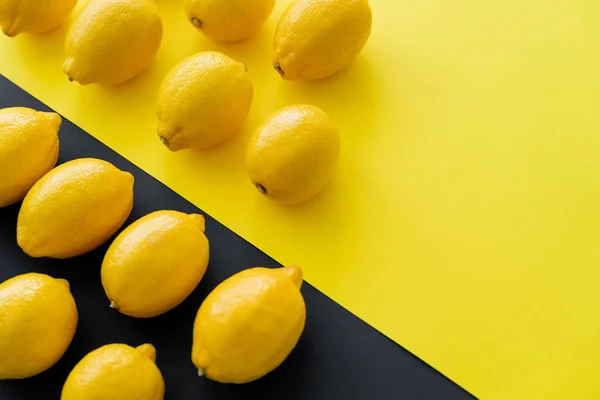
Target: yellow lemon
[
  {"x": 294, "y": 154},
  {"x": 116, "y": 372},
  {"x": 156, "y": 263},
  {"x": 249, "y": 324},
  {"x": 38, "y": 318},
  {"x": 112, "y": 41},
  {"x": 228, "y": 20},
  {"x": 317, "y": 38},
  {"x": 203, "y": 101},
  {"x": 28, "y": 150},
  {"x": 74, "y": 208},
  {"x": 19, "y": 16}
]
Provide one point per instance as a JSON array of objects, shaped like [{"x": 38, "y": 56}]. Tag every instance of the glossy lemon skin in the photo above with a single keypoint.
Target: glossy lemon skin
[
  {"x": 249, "y": 324},
  {"x": 228, "y": 20},
  {"x": 318, "y": 38},
  {"x": 164, "y": 253},
  {"x": 294, "y": 154},
  {"x": 116, "y": 372},
  {"x": 21, "y": 16},
  {"x": 203, "y": 101},
  {"x": 74, "y": 208},
  {"x": 112, "y": 41},
  {"x": 38, "y": 319},
  {"x": 28, "y": 150}
]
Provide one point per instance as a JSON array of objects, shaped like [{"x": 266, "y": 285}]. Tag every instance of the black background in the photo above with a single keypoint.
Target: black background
[{"x": 338, "y": 357}]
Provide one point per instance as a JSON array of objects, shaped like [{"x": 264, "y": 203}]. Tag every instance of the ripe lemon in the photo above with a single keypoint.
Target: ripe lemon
[
  {"x": 317, "y": 38},
  {"x": 156, "y": 263},
  {"x": 19, "y": 16},
  {"x": 112, "y": 41},
  {"x": 74, "y": 208},
  {"x": 28, "y": 150},
  {"x": 116, "y": 372},
  {"x": 228, "y": 20},
  {"x": 203, "y": 101},
  {"x": 294, "y": 154},
  {"x": 38, "y": 318},
  {"x": 249, "y": 324}
]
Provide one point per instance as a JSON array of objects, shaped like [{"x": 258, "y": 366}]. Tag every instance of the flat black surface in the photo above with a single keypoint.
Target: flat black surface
[{"x": 338, "y": 357}]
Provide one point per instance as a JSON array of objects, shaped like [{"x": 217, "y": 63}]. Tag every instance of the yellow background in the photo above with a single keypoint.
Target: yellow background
[{"x": 464, "y": 220}]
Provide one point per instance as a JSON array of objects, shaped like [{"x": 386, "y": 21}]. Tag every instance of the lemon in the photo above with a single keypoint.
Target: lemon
[
  {"x": 112, "y": 41},
  {"x": 156, "y": 263},
  {"x": 294, "y": 154},
  {"x": 317, "y": 38},
  {"x": 203, "y": 101},
  {"x": 38, "y": 318},
  {"x": 28, "y": 150},
  {"x": 228, "y": 20},
  {"x": 19, "y": 16},
  {"x": 74, "y": 208},
  {"x": 249, "y": 324},
  {"x": 116, "y": 372}
]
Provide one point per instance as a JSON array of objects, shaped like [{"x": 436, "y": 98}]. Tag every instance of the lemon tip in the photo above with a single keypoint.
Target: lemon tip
[
  {"x": 147, "y": 350},
  {"x": 65, "y": 282},
  {"x": 295, "y": 273}
]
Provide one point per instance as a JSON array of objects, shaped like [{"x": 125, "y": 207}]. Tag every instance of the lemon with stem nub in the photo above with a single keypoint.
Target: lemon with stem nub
[
  {"x": 293, "y": 155},
  {"x": 28, "y": 150},
  {"x": 116, "y": 372},
  {"x": 249, "y": 324},
  {"x": 38, "y": 318}
]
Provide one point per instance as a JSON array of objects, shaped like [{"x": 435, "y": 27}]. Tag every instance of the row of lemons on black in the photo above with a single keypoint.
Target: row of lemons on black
[
  {"x": 244, "y": 329},
  {"x": 250, "y": 323}
]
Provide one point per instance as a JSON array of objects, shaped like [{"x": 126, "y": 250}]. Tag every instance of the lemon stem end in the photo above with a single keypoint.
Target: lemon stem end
[
  {"x": 261, "y": 188},
  {"x": 197, "y": 23},
  {"x": 279, "y": 70}
]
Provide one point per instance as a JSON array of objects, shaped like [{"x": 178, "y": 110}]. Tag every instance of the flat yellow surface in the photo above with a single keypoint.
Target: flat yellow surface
[{"x": 464, "y": 221}]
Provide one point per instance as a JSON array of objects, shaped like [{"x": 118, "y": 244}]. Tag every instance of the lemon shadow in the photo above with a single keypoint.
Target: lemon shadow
[{"x": 43, "y": 53}]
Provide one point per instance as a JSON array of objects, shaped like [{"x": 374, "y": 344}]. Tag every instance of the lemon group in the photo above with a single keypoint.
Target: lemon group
[
  {"x": 116, "y": 372},
  {"x": 228, "y": 20},
  {"x": 317, "y": 38},
  {"x": 20, "y": 16},
  {"x": 28, "y": 150},
  {"x": 203, "y": 101},
  {"x": 156, "y": 263},
  {"x": 249, "y": 324},
  {"x": 293, "y": 155},
  {"x": 74, "y": 208},
  {"x": 112, "y": 41},
  {"x": 38, "y": 318}
]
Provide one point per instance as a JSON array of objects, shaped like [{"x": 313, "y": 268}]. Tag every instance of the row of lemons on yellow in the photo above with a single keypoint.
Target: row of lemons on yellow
[
  {"x": 205, "y": 99},
  {"x": 245, "y": 328}
]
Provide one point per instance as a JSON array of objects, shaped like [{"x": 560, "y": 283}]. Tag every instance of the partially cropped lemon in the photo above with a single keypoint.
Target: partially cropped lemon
[
  {"x": 74, "y": 208},
  {"x": 156, "y": 263},
  {"x": 38, "y": 318},
  {"x": 112, "y": 41},
  {"x": 28, "y": 150},
  {"x": 20, "y": 16},
  {"x": 293, "y": 155},
  {"x": 317, "y": 38},
  {"x": 203, "y": 101},
  {"x": 228, "y": 20},
  {"x": 116, "y": 372},
  {"x": 249, "y": 324}
]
